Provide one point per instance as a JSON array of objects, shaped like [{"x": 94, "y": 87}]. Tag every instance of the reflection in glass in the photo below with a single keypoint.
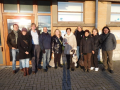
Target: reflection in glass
[
  {"x": 70, "y": 6},
  {"x": 115, "y": 17},
  {"x": 115, "y": 8},
  {"x": 10, "y": 5},
  {"x": 70, "y": 16},
  {"x": 22, "y": 23},
  {"x": 44, "y": 21},
  {"x": 0, "y": 37},
  {"x": 43, "y": 7},
  {"x": 26, "y": 6}
]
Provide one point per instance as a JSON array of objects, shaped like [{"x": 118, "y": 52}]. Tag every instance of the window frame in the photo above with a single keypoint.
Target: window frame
[
  {"x": 72, "y": 12},
  {"x": 114, "y": 13}
]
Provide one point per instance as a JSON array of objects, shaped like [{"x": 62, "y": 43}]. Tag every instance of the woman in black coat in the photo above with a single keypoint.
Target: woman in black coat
[
  {"x": 86, "y": 48},
  {"x": 97, "y": 44},
  {"x": 24, "y": 46},
  {"x": 57, "y": 42}
]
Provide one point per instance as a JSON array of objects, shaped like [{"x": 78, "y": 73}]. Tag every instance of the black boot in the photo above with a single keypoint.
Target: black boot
[
  {"x": 56, "y": 67},
  {"x": 27, "y": 69},
  {"x": 24, "y": 71},
  {"x": 60, "y": 66}
]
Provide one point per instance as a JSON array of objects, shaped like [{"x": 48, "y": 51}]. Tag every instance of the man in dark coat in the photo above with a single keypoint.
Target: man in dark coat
[
  {"x": 34, "y": 35},
  {"x": 45, "y": 43},
  {"x": 12, "y": 44},
  {"x": 79, "y": 34},
  {"x": 108, "y": 45}
]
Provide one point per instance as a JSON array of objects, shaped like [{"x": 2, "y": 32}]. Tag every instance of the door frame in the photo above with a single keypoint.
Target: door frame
[{"x": 7, "y": 54}]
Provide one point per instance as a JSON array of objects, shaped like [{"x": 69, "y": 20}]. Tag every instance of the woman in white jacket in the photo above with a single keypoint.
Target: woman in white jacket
[{"x": 70, "y": 48}]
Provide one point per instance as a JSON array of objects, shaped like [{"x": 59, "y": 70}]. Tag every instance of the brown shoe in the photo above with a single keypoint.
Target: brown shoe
[
  {"x": 27, "y": 69},
  {"x": 14, "y": 71},
  {"x": 24, "y": 71},
  {"x": 33, "y": 72},
  {"x": 21, "y": 69}
]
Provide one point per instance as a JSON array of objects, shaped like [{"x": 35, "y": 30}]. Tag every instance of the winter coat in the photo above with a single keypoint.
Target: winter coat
[
  {"x": 72, "y": 44},
  {"x": 30, "y": 36},
  {"x": 79, "y": 36},
  {"x": 97, "y": 42},
  {"x": 57, "y": 44},
  {"x": 110, "y": 43},
  {"x": 11, "y": 40},
  {"x": 24, "y": 44},
  {"x": 87, "y": 45},
  {"x": 45, "y": 41}
]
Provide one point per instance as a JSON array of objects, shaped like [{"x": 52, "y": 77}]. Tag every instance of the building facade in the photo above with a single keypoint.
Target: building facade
[{"x": 57, "y": 14}]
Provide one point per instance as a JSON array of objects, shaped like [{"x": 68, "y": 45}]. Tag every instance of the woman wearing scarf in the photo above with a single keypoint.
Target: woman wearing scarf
[{"x": 24, "y": 45}]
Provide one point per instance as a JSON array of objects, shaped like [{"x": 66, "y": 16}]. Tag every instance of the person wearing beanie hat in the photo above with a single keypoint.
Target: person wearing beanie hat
[{"x": 24, "y": 46}]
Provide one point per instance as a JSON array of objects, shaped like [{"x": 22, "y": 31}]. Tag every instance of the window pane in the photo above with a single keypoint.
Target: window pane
[
  {"x": 115, "y": 8},
  {"x": 0, "y": 37},
  {"x": 44, "y": 21},
  {"x": 22, "y": 23},
  {"x": 115, "y": 17},
  {"x": 43, "y": 7},
  {"x": 70, "y": 16},
  {"x": 26, "y": 6},
  {"x": 70, "y": 6},
  {"x": 10, "y": 5}
]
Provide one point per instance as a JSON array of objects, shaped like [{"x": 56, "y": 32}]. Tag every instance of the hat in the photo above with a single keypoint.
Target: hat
[
  {"x": 24, "y": 29},
  {"x": 87, "y": 31}
]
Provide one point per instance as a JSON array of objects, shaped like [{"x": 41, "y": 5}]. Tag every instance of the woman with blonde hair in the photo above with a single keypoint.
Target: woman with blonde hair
[
  {"x": 57, "y": 42},
  {"x": 97, "y": 44}
]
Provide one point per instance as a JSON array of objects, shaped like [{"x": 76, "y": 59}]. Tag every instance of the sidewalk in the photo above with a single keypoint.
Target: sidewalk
[{"x": 61, "y": 79}]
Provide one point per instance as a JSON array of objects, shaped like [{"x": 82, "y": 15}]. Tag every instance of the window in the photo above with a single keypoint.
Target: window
[
  {"x": 10, "y": 6},
  {"x": 26, "y": 6},
  {"x": 43, "y": 7},
  {"x": 69, "y": 11},
  {"x": 44, "y": 21},
  {"x": 115, "y": 13}
]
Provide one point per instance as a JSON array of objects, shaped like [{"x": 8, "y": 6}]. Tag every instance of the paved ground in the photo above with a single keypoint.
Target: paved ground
[{"x": 61, "y": 79}]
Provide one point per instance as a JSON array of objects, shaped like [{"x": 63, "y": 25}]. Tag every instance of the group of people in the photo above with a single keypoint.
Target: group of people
[{"x": 30, "y": 43}]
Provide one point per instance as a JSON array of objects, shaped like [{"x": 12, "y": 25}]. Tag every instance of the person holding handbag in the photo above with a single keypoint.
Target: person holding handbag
[
  {"x": 24, "y": 46},
  {"x": 70, "y": 48},
  {"x": 86, "y": 47},
  {"x": 57, "y": 43}
]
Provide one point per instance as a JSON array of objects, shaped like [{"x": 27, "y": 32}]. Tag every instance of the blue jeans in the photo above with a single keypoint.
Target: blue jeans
[
  {"x": 14, "y": 53},
  {"x": 98, "y": 55},
  {"x": 46, "y": 58},
  {"x": 78, "y": 52},
  {"x": 25, "y": 62}
]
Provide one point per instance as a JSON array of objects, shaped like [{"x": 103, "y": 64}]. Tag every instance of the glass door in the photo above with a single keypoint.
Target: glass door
[{"x": 22, "y": 21}]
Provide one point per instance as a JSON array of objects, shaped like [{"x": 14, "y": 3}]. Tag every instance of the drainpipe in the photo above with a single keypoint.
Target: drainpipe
[{"x": 96, "y": 14}]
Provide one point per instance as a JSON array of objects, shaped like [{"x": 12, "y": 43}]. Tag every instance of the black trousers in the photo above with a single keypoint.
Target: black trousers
[
  {"x": 57, "y": 58},
  {"x": 94, "y": 60},
  {"x": 69, "y": 61}
]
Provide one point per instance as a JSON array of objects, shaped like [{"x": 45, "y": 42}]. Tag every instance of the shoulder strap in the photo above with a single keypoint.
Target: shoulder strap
[
  {"x": 106, "y": 38},
  {"x": 60, "y": 41}
]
